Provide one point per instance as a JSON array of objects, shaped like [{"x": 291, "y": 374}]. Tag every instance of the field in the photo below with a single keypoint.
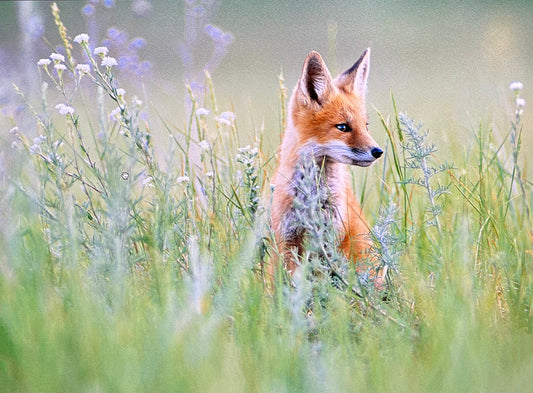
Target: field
[{"x": 135, "y": 205}]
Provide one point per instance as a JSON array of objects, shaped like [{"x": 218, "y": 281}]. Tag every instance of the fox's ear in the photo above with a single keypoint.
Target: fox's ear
[
  {"x": 315, "y": 83},
  {"x": 355, "y": 78}
]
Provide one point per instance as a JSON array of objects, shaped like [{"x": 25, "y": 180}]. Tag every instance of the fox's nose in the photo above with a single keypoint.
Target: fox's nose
[{"x": 376, "y": 152}]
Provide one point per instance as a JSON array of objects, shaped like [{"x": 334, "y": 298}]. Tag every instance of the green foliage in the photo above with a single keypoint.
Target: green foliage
[{"x": 125, "y": 268}]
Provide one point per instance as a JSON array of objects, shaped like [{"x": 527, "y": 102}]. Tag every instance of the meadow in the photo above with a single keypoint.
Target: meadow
[{"x": 134, "y": 242}]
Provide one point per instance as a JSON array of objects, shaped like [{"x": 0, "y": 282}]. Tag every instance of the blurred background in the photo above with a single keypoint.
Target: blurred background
[{"x": 448, "y": 63}]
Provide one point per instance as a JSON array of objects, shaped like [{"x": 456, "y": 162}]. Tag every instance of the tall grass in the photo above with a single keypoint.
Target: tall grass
[{"x": 130, "y": 268}]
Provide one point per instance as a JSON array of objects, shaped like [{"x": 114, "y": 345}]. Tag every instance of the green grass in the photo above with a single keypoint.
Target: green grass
[{"x": 118, "y": 274}]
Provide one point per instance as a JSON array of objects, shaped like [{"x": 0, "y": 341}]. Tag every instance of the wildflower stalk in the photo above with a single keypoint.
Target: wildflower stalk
[
  {"x": 386, "y": 239},
  {"x": 247, "y": 157},
  {"x": 398, "y": 157},
  {"x": 73, "y": 123},
  {"x": 515, "y": 138},
  {"x": 211, "y": 89},
  {"x": 419, "y": 153},
  {"x": 190, "y": 136},
  {"x": 63, "y": 34},
  {"x": 128, "y": 119}
]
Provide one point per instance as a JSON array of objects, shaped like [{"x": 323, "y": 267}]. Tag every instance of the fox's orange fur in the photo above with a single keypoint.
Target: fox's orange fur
[{"x": 326, "y": 122}]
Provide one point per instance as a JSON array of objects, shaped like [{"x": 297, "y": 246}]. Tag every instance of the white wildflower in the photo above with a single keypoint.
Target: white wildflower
[
  {"x": 136, "y": 101},
  {"x": 516, "y": 86},
  {"x": 248, "y": 151},
  {"x": 210, "y": 174},
  {"x": 55, "y": 158},
  {"x": 40, "y": 139},
  {"x": 14, "y": 131},
  {"x": 57, "y": 57},
  {"x": 202, "y": 112},
  {"x": 204, "y": 145},
  {"x": 35, "y": 149},
  {"x": 115, "y": 113},
  {"x": 245, "y": 149},
  {"x": 182, "y": 179},
  {"x": 43, "y": 62},
  {"x": 65, "y": 109},
  {"x": 246, "y": 155},
  {"x": 109, "y": 61},
  {"x": 83, "y": 68},
  {"x": 14, "y": 144},
  {"x": 148, "y": 181},
  {"x": 520, "y": 103},
  {"x": 121, "y": 92},
  {"x": 60, "y": 67},
  {"x": 226, "y": 118},
  {"x": 81, "y": 38},
  {"x": 101, "y": 51}
]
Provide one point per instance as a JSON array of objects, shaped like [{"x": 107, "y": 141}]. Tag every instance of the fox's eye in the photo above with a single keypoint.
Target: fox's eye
[{"x": 342, "y": 127}]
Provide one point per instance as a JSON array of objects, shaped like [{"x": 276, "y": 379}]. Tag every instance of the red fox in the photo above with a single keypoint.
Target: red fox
[{"x": 326, "y": 122}]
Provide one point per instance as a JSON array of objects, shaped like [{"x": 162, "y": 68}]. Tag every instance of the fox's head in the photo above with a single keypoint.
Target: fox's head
[{"x": 329, "y": 115}]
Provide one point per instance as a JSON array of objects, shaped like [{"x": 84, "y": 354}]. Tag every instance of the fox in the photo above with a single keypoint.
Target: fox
[{"x": 326, "y": 122}]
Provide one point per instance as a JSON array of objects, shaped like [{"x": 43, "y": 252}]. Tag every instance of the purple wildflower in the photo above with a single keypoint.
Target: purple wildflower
[{"x": 88, "y": 10}]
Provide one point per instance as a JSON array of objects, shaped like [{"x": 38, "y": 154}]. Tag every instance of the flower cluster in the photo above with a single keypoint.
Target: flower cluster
[
  {"x": 182, "y": 180},
  {"x": 247, "y": 157},
  {"x": 83, "y": 68},
  {"x": 65, "y": 109},
  {"x": 202, "y": 112},
  {"x": 101, "y": 51},
  {"x": 127, "y": 50},
  {"x": 218, "y": 36},
  {"x": 36, "y": 147},
  {"x": 199, "y": 33},
  {"x": 226, "y": 118},
  {"x": 58, "y": 60},
  {"x": 82, "y": 38},
  {"x": 520, "y": 103},
  {"x": 204, "y": 145}
]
